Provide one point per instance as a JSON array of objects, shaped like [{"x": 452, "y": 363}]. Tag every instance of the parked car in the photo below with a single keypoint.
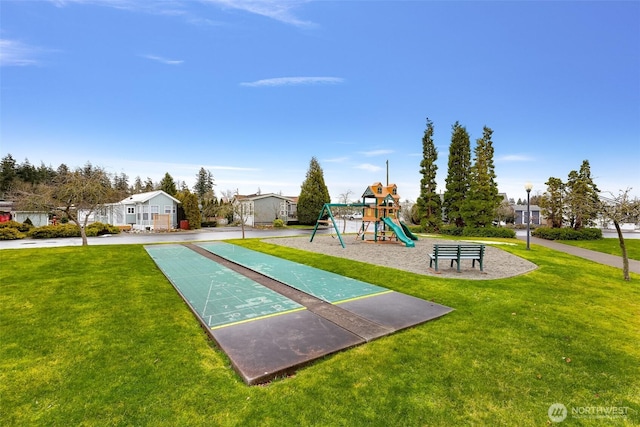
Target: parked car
[{"x": 357, "y": 215}]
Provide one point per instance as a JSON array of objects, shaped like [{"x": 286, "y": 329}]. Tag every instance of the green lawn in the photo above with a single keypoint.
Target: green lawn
[
  {"x": 97, "y": 336},
  {"x": 609, "y": 246}
]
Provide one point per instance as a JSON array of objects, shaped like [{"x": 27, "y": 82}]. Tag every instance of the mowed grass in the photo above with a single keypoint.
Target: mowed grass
[
  {"x": 98, "y": 336},
  {"x": 609, "y": 246}
]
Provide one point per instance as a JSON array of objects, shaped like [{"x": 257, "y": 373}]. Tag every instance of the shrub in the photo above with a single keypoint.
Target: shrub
[
  {"x": 10, "y": 233},
  {"x": 100, "y": 229},
  {"x": 414, "y": 228},
  {"x": 567, "y": 233},
  {"x": 209, "y": 224},
  {"x": 53, "y": 231},
  {"x": 489, "y": 232},
  {"x": 427, "y": 227},
  {"x": 23, "y": 227},
  {"x": 278, "y": 223},
  {"x": 451, "y": 230}
]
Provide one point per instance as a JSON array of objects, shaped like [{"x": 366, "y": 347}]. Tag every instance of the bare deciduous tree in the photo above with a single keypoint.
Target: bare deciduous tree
[
  {"x": 82, "y": 191},
  {"x": 621, "y": 209}
]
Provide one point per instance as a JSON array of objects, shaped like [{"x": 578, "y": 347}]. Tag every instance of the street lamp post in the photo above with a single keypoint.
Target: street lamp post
[{"x": 528, "y": 186}]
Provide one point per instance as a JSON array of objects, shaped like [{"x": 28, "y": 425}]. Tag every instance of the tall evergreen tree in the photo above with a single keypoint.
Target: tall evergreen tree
[
  {"x": 45, "y": 174},
  {"x": 121, "y": 183},
  {"x": 457, "y": 182},
  {"x": 148, "y": 185},
  {"x": 189, "y": 203},
  {"x": 204, "y": 185},
  {"x": 582, "y": 198},
  {"x": 137, "y": 185},
  {"x": 27, "y": 172},
  {"x": 429, "y": 204},
  {"x": 8, "y": 174},
  {"x": 313, "y": 194},
  {"x": 552, "y": 202},
  {"x": 482, "y": 201},
  {"x": 168, "y": 185}
]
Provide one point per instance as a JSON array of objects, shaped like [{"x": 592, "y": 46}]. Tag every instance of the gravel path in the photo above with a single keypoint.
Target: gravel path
[{"x": 497, "y": 263}]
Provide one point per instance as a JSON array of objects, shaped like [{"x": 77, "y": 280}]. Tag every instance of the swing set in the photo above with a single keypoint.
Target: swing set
[{"x": 380, "y": 207}]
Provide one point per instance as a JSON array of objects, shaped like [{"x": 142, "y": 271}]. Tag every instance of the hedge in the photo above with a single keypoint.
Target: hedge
[
  {"x": 497, "y": 232},
  {"x": 567, "y": 233},
  {"x": 20, "y": 226},
  {"x": 72, "y": 230},
  {"x": 10, "y": 233}
]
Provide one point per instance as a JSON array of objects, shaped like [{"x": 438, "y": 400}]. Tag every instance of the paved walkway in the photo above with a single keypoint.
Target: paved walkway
[{"x": 599, "y": 257}]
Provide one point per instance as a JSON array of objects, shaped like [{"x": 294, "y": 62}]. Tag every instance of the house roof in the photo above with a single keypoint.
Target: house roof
[
  {"x": 524, "y": 207},
  {"x": 387, "y": 190},
  {"x": 145, "y": 197},
  {"x": 265, "y": 196}
]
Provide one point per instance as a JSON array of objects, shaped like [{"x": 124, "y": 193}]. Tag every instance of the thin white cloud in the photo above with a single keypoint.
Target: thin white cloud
[
  {"x": 374, "y": 153},
  {"x": 293, "y": 81},
  {"x": 159, "y": 7},
  {"x": 337, "y": 160},
  {"x": 515, "y": 158},
  {"x": 369, "y": 167},
  {"x": 234, "y": 168},
  {"x": 118, "y": 4},
  {"x": 162, "y": 60},
  {"x": 17, "y": 54},
  {"x": 280, "y": 10}
]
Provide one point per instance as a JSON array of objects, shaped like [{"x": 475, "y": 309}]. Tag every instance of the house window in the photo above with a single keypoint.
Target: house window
[
  {"x": 168, "y": 209},
  {"x": 379, "y": 189},
  {"x": 131, "y": 210}
]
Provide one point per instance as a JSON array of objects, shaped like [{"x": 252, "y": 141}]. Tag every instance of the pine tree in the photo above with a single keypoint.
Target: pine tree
[
  {"x": 429, "y": 205},
  {"x": 313, "y": 194},
  {"x": 121, "y": 183},
  {"x": 204, "y": 185},
  {"x": 137, "y": 185},
  {"x": 8, "y": 174},
  {"x": 457, "y": 182},
  {"x": 552, "y": 202},
  {"x": 582, "y": 197},
  {"x": 148, "y": 185},
  {"x": 482, "y": 201},
  {"x": 168, "y": 185}
]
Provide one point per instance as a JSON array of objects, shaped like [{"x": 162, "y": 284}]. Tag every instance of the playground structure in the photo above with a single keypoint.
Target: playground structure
[{"x": 380, "y": 210}]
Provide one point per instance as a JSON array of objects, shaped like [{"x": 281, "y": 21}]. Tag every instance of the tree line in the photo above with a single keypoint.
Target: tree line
[{"x": 471, "y": 195}]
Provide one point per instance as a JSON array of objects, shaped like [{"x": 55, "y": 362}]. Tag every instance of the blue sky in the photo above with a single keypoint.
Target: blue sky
[{"x": 251, "y": 90}]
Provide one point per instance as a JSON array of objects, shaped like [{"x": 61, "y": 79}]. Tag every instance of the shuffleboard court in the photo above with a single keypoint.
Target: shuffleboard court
[
  {"x": 327, "y": 286},
  {"x": 245, "y": 301},
  {"x": 217, "y": 294}
]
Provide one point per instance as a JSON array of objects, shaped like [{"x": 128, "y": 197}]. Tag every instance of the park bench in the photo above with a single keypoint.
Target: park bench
[{"x": 457, "y": 253}]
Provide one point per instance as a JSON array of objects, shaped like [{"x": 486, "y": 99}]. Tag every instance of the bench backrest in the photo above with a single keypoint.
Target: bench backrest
[
  {"x": 463, "y": 250},
  {"x": 445, "y": 250}
]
